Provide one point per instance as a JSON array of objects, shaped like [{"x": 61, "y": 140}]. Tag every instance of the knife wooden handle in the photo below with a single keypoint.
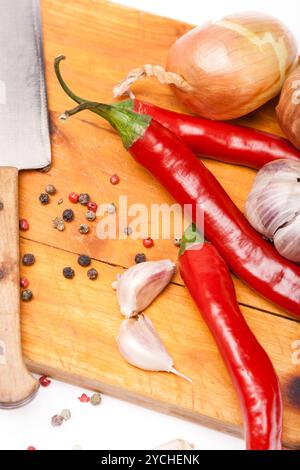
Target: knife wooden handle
[{"x": 17, "y": 386}]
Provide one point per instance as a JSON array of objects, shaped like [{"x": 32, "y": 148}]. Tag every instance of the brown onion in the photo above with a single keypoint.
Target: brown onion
[
  {"x": 227, "y": 68},
  {"x": 288, "y": 109}
]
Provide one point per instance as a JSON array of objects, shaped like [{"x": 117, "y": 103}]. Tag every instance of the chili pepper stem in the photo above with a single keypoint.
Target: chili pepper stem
[
  {"x": 179, "y": 374},
  {"x": 131, "y": 126}
]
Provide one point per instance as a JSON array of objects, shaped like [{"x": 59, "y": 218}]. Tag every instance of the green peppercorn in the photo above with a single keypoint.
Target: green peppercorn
[
  {"x": 140, "y": 258},
  {"x": 28, "y": 259},
  {"x": 90, "y": 215},
  {"x": 84, "y": 199},
  {"x": 68, "y": 273},
  {"x": 84, "y": 260},
  {"x": 68, "y": 215},
  {"x": 44, "y": 198},
  {"x": 96, "y": 399},
  {"x": 66, "y": 414},
  {"x": 50, "y": 189},
  {"x": 26, "y": 295},
  {"x": 84, "y": 228},
  {"x": 92, "y": 274}
]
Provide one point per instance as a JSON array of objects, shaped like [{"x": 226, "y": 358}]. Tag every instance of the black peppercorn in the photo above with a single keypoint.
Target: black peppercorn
[
  {"x": 140, "y": 258},
  {"x": 26, "y": 295},
  {"x": 50, "y": 189},
  {"x": 68, "y": 273},
  {"x": 68, "y": 215},
  {"x": 84, "y": 199},
  {"x": 28, "y": 259},
  {"x": 44, "y": 198},
  {"x": 84, "y": 260},
  {"x": 92, "y": 274}
]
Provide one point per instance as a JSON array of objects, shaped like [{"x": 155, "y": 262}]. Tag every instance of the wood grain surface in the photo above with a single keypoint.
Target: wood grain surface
[{"x": 70, "y": 326}]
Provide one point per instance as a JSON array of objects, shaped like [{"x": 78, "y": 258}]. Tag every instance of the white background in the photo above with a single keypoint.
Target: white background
[{"x": 116, "y": 424}]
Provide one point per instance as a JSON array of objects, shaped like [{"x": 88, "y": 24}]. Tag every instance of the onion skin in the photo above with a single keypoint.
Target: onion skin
[
  {"x": 233, "y": 65},
  {"x": 288, "y": 109}
]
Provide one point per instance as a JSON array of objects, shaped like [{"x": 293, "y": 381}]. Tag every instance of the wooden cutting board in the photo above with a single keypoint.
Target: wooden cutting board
[{"x": 69, "y": 328}]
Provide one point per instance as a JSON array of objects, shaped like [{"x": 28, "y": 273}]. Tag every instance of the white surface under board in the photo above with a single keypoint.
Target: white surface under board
[{"x": 116, "y": 424}]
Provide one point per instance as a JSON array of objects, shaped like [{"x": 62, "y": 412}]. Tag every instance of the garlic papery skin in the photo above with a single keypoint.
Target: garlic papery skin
[
  {"x": 176, "y": 444},
  {"x": 273, "y": 206},
  {"x": 139, "y": 285},
  {"x": 141, "y": 346}
]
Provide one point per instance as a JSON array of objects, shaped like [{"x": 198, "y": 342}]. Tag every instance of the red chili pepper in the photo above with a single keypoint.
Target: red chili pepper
[
  {"x": 218, "y": 140},
  {"x": 189, "y": 182},
  {"x": 206, "y": 276}
]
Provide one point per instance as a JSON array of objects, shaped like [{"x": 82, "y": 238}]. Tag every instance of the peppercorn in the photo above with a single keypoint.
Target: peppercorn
[
  {"x": 50, "y": 189},
  {"x": 28, "y": 259},
  {"x": 128, "y": 231},
  {"x": 24, "y": 283},
  {"x": 84, "y": 199},
  {"x": 57, "y": 420},
  {"x": 96, "y": 399},
  {"x": 23, "y": 224},
  {"x": 44, "y": 198},
  {"x": 60, "y": 201},
  {"x": 31, "y": 448},
  {"x": 44, "y": 381},
  {"x": 59, "y": 224},
  {"x": 92, "y": 274},
  {"x": 68, "y": 215},
  {"x": 148, "y": 242},
  {"x": 26, "y": 295},
  {"x": 92, "y": 206},
  {"x": 84, "y": 398},
  {"x": 84, "y": 260},
  {"x": 84, "y": 228},
  {"x": 73, "y": 197},
  {"x": 1, "y": 205},
  {"x": 177, "y": 241},
  {"x": 114, "y": 179},
  {"x": 90, "y": 215},
  {"x": 66, "y": 414},
  {"x": 111, "y": 208},
  {"x": 140, "y": 258},
  {"x": 68, "y": 273}
]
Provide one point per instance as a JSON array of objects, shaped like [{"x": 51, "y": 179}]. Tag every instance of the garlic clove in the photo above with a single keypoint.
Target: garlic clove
[
  {"x": 141, "y": 346},
  {"x": 139, "y": 285},
  {"x": 176, "y": 444},
  {"x": 286, "y": 240}
]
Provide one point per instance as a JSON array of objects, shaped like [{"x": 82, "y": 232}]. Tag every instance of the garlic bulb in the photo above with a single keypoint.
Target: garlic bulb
[
  {"x": 176, "y": 444},
  {"x": 273, "y": 206},
  {"x": 139, "y": 285},
  {"x": 288, "y": 109},
  {"x": 141, "y": 346}
]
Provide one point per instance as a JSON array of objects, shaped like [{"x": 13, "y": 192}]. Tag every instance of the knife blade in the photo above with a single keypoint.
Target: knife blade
[{"x": 24, "y": 144}]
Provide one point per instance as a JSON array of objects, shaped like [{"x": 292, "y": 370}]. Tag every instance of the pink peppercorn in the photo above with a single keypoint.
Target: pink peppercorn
[
  {"x": 31, "y": 448},
  {"x": 148, "y": 242},
  {"x": 24, "y": 283},
  {"x": 44, "y": 381},
  {"x": 73, "y": 197},
  {"x": 92, "y": 206},
  {"x": 84, "y": 398},
  {"x": 114, "y": 179},
  {"x": 24, "y": 225}
]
